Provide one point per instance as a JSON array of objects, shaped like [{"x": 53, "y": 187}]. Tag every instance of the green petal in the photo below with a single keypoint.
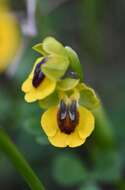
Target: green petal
[
  {"x": 67, "y": 84},
  {"x": 57, "y": 62},
  {"x": 39, "y": 49},
  {"x": 55, "y": 67},
  {"x": 49, "y": 101},
  {"x": 88, "y": 97},
  {"x": 53, "y": 74},
  {"x": 52, "y": 46},
  {"x": 74, "y": 62}
]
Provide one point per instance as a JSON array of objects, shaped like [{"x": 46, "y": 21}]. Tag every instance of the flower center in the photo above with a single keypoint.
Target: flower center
[
  {"x": 67, "y": 117},
  {"x": 38, "y": 74}
]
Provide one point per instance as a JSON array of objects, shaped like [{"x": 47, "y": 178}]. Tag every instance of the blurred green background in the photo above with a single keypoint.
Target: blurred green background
[{"x": 96, "y": 31}]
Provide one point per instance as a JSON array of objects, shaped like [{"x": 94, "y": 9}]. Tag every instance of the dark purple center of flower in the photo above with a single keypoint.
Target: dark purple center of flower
[
  {"x": 67, "y": 117},
  {"x": 38, "y": 74}
]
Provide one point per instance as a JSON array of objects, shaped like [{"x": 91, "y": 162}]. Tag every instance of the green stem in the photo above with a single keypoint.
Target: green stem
[
  {"x": 19, "y": 162},
  {"x": 103, "y": 131}
]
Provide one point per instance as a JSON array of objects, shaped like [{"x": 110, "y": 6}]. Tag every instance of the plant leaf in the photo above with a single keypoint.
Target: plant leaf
[{"x": 68, "y": 170}]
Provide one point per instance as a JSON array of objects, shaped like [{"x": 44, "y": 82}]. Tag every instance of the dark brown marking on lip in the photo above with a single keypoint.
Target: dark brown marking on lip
[
  {"x": 67, "y": 117},
  {"x": 38, "y": 74}
]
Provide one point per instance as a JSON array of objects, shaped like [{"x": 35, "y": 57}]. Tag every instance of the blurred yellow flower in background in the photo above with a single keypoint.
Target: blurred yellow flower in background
[{"x": 9, "y": 37}]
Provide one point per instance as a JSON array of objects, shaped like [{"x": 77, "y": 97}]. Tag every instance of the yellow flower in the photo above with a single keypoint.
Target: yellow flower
[
  {"x": 37, "y": 86},
  {"x": 70, "y": 122},
  {"x": 67, "y": 125},
  {"x": 9, "y": 37}
]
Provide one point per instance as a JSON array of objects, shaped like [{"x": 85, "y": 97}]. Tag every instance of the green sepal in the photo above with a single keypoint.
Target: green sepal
[
  {"x": 51, "y": 100},
  {"x": 53, "y": 74},
  {"x": 39, "y": 49},
  {"x": 67, "y": 84},
  {"x": 55, "y": 67},
  {"x": 88, "y": 97},
  {"x": 52, "y": 46},
  {"x": 74, "y": 62}
]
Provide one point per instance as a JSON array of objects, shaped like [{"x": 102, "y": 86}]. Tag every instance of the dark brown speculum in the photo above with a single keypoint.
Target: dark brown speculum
[
  {"x": 67, "y": 117},
  {"x": 38, "y": 74}
]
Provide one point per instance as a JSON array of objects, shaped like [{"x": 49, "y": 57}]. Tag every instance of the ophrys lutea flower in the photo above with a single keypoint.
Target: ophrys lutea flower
[
  {"x": 69, "y": 123},
  {"x": 37, "y": 86},
  {"x": 68, "y": 120},
  {"x": 46, "y": 71}
]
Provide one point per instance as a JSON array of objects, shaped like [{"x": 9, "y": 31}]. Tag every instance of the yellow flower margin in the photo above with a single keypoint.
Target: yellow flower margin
[
  {"x": 60, "y": 139},
  {"x": 46, "y": 87}
]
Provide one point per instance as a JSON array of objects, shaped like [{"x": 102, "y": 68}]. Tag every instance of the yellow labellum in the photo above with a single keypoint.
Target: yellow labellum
[
  {"x": 60, "y": 139},
  {"x": 33, "y": 94},
  {"x": 45, "y": 88}
]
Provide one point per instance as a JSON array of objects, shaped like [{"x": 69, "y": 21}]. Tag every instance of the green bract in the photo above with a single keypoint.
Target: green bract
[{"x": 88, "y": 96}]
